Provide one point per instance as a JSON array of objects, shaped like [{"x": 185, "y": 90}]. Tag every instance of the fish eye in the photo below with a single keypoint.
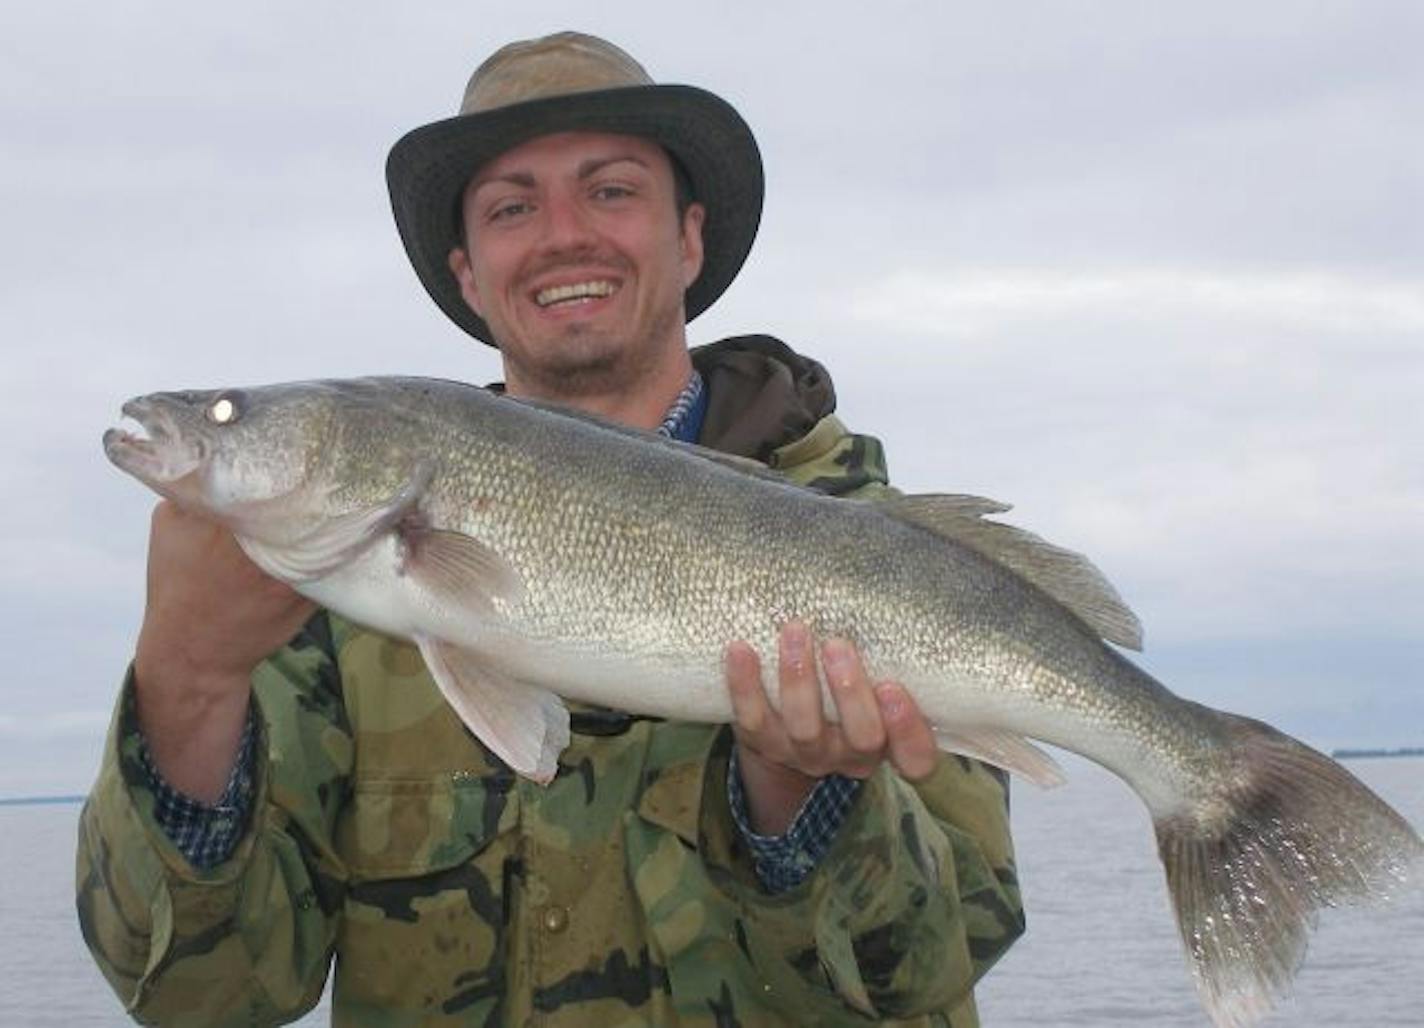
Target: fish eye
[{"x": 224, "y": 410}]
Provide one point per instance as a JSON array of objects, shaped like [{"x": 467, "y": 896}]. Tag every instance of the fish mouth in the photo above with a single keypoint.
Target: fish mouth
[{"x": 157, "y": 452}]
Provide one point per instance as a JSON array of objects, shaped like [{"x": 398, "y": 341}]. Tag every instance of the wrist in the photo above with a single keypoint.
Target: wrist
[
  {"x": 192, "y": 727},
  {"x": 774, "y": 792},
  {"x": 187, "y": 678}
]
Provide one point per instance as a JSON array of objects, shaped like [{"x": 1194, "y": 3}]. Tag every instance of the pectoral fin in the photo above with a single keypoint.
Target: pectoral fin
[
  {"x": 524, "y": 725},
  {"x": 1003, "y": 749},
  {"x": 457, "y": 570}
]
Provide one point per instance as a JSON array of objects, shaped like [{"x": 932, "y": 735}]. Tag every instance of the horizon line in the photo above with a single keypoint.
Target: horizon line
[{"x": 31, "y": 801}]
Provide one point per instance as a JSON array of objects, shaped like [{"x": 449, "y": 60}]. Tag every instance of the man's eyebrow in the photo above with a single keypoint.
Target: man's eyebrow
[
  {"x": 596, "y": 164},
  {"x": 525, "y": 179},
  {"x": 522, "y": 179}
]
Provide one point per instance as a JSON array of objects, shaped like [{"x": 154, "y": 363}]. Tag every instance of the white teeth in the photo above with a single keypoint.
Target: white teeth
[
  {"x": 576, "y": 291},
  {"x": 135, "y": 430}
]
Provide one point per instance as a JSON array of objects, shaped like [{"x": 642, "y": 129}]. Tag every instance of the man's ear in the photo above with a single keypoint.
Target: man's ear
[
  {"x": 691, "y": 247},
  {"x": 465, "y": 276}
]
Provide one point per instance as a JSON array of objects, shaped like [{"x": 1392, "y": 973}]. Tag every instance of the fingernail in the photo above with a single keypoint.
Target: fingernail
[
  {"x": 838, "y": 662},
  {"x": 740, "y": 657},
  {"x": 891, "y": 700},
  {"x": 795, "y": 645},
  {"x": 835, "y": 653}
]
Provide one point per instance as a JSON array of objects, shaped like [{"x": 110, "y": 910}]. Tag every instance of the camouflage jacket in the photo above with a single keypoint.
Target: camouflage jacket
[{"x": 453, "y": 893}]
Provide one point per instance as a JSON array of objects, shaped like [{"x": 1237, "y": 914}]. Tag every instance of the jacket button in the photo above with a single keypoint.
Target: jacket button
[{"x": 556, "y": 919}]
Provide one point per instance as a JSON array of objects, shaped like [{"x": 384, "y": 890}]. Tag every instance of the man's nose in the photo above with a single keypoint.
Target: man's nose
[{"x": 566, "y": 223}]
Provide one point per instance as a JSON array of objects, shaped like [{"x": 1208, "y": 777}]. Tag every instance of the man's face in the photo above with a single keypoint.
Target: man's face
[{"x": 577, "y": 260}]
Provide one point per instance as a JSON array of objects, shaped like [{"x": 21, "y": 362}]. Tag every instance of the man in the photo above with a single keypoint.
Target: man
[{"x": 267, "y": 801}]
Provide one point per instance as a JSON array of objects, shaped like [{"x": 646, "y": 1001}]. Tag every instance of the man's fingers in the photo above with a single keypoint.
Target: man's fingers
[
  {"x": 871, "y": 722},
  {"x": 801, "y": 713},
  {"x": 856, "y": 708},
  {"x": 912, "y": 747},
  {"x": 749, "y": 704}
]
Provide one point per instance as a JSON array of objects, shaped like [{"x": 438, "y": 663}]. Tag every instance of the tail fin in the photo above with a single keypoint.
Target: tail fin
[{"x": 1290, "y": 832}]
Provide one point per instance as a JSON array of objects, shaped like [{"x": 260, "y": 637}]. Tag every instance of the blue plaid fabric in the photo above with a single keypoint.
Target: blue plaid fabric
[
  {"x": 206, "y": 834},
  {"x": 683, "y": 420},
  {"x": 782, "y": 861}
]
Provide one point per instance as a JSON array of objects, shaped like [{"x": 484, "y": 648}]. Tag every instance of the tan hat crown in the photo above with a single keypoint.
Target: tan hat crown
[{"x": 557, "y": 65}]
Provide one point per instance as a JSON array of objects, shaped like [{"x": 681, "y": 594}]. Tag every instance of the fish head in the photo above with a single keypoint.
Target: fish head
[{"x": 229, "y": 453}]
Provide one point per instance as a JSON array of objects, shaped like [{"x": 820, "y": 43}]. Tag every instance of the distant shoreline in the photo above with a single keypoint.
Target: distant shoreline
[
  {"x": 1344, "y": 754},
  {"x": 1405, "y": 751},
  {"x": 35, "y": 801}
]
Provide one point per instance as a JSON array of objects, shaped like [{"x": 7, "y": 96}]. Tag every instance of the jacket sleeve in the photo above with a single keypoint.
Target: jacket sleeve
[
  {"x": 914, "y": 902},
  {"x": 247, "y": 941}
]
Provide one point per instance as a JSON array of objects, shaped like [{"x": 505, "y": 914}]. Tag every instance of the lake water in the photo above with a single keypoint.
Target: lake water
[{"x": 1100, "y": 951}]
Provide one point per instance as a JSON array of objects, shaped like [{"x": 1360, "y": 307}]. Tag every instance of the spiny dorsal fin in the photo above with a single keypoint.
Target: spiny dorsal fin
[{"x": 1068, "y": 577}]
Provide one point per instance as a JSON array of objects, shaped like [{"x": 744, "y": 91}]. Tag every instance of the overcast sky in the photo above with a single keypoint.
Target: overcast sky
[{"x": 1151, "y": 273}]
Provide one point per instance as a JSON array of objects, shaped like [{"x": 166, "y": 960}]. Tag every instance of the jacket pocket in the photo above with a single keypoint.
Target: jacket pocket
[
  {"x": 401, "y": 828},
  {"x": 424, "y": 913}
]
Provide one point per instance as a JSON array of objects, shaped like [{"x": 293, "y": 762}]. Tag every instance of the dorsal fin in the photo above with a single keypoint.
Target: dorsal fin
[{"x": 1068, "y": 577}]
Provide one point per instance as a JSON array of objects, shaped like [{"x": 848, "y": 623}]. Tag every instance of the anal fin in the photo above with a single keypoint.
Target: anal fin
[{"x": 1004, "y": 749}]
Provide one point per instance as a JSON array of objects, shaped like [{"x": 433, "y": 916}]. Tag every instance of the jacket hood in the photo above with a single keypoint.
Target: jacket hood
[{"x": 761, "y": 395}]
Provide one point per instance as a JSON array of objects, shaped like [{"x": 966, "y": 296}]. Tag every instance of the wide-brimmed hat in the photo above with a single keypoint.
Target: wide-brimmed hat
[{"x": 562, "y": 83}]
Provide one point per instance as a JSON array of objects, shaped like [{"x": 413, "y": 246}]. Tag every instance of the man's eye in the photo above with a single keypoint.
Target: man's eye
[
  {"x": 508, "y": 210},
  {"x": 611, "y": 192}
]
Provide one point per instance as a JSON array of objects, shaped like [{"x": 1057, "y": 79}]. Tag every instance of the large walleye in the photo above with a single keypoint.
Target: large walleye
[{"x": 533, "y": 554}]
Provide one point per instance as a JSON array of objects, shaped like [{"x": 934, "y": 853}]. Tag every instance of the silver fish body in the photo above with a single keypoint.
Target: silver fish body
[{"x": 534, "y": 554}]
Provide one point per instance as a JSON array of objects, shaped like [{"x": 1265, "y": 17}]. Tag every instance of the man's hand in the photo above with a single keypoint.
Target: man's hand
[
  {"x": 212, "y": 616},
  {"x": 782, "y": 755}
]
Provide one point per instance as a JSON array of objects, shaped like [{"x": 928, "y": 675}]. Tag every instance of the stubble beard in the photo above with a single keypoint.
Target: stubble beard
[{"x": 586, "y": 362}]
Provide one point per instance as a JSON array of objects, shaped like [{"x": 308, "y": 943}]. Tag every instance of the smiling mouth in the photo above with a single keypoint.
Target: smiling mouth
[{"x": 575, "y": 293}]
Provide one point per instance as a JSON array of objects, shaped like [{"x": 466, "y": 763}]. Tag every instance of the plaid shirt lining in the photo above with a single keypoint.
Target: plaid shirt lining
[
  {"x": 782, "y": 861},
  {"x": 206, "y": 834}
]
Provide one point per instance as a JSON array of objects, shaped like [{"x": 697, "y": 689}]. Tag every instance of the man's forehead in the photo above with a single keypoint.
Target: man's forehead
[{"x": 564, "y": 152}]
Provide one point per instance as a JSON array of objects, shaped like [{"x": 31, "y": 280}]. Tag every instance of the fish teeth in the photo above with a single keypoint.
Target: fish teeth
[
  {"x": 139, "y": 424},
  {"x": 574, "y": 291},
  {"x": 135, "y": 432}
]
